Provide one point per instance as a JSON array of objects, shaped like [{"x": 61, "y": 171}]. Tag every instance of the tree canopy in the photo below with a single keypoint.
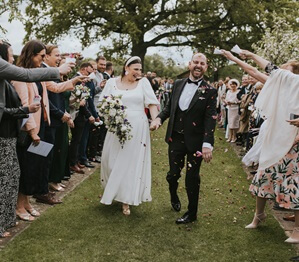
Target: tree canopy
[
  {"x": 279, "y": 44},
  {"x": 132, "y": 26}
]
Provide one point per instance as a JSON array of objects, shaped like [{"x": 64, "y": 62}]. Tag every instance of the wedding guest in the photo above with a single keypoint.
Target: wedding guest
[
  {"x": 58, "y": 116},
  {"x": 34, "y": 180},
  {"x": 83, "y": 117},
  {"x": 109, "y": 71},
  {"x": 277, "y": 177},
  {"x": 232, "y": 103},
  {"x": 11, "y": 115},
  {"x": 220, "y": 101},
  {"x": 86, "y": 69},
  {"x": 61, "y": 169},
  {"x": 126, "y": 172}
]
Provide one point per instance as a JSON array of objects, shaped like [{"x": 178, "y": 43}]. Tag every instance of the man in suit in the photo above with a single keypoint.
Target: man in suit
[
  {"x": 85, "y": 70},
  {"x": 192, "y": 117},
  {"x": 98, "y": 134},
  {"x": 109, "y": 71},
  {"x": 58, "y": 114}
]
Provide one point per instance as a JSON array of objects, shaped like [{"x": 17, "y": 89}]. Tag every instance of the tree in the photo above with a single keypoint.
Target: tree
[
  {"x": 135, "y": 25},
  {"x": 279, "y": 44},
  {"x": 9, "y": 6},
  {"x": 163, "y": 67}
]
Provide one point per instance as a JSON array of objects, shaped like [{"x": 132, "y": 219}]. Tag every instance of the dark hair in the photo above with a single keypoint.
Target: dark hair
[
  {"x": 31, "y": 49},
  {"x": 4, "y": 50},
  {"x": 109, "y": 65},
  {"x": 50, "y": 48},
  {"x": 100, "y": 58},
  {"x": 135, "y": 61},
  {"x": 85, "y": 65}
]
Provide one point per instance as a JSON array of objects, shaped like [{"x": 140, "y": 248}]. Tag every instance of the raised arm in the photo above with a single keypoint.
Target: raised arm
[
  {"x": 12, "y": 72},
  {"x": 261, "y": 62},
  {"x": 246, "y": 67}
]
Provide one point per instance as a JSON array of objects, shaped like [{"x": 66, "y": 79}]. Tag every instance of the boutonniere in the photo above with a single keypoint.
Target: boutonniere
[{"x": 201, "y": 90}]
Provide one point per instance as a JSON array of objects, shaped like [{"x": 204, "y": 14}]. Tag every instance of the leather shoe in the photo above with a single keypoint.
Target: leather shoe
[
  {"x": 76, "y": 169},
  {"x": 66, "y": 178},
  {"x": 47, "y": 199},
  {"x": 289, "y": 218},
  {"x": 80, "y": 165},
  {"x": 176, "y": 206},
  {"x": 87, "y": 164},
  {"x": 185, "y": 219}
]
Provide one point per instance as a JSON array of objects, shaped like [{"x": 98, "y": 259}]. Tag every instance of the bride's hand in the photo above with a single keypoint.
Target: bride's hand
[{"x": 155, "y": 124}]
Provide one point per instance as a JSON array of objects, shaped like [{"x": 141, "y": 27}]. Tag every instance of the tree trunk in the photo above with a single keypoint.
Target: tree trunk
[{"x": 138, "y": 49}]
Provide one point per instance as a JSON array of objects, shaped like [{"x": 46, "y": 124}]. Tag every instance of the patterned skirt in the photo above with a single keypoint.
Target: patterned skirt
[
  {"x": 9, "y": 183},
  {"x": 280, "y": 181}
]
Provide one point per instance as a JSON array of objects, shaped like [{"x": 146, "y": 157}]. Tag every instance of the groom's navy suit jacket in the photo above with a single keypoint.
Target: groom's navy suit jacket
[{"x": 199, "y": 119}]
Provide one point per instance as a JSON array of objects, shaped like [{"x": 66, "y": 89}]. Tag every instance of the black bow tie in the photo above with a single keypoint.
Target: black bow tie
[{"x": 193, "y": 82}]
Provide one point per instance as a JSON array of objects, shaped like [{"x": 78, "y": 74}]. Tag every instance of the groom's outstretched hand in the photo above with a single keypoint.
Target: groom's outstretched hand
[
  {"x": 206, "y": 154},
  {"x": 155, "y": 124}
]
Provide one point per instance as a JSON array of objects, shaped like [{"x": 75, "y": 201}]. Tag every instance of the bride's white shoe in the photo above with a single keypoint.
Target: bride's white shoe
[{"x": 258, "y": 218}]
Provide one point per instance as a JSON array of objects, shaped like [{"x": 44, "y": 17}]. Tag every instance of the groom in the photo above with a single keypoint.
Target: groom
[{"x": 192, "y": 117}]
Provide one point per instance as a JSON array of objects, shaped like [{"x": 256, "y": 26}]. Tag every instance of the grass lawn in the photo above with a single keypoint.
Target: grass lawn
[{"x": 83, "y": 230}]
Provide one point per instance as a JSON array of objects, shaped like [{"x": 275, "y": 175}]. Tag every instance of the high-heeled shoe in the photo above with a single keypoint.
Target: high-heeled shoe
[
  {"x": 258, "y": 218},
  {"x": 292, "y": 239},
  {"x": 126, "y": 209}
]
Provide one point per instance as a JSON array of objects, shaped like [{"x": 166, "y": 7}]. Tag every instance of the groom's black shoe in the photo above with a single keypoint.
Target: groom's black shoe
[
  {"x": 185, "y": 219},
  {"x": 176, "y": 206}
]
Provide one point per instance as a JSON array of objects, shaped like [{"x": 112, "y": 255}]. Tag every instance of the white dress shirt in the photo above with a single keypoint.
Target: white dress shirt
[{"x": 185, "y": 100}]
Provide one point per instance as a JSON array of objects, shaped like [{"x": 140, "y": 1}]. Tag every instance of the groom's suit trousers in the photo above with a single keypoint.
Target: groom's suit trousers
[{"x": 176, "y": 152}]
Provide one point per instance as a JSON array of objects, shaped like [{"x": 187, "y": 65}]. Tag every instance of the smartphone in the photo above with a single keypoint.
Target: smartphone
[
  {"x": 293, "y": 116},
  {"x": 70, "y": 60},
  {"x": 36, "y": 99}
]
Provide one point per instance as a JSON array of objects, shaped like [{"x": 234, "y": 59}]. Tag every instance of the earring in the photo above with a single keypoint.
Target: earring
[{"x": 126, "y": 73}]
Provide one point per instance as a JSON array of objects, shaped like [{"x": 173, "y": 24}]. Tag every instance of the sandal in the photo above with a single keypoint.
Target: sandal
[
  {"x": 26, "y": 217},
  {"x": 33, "y": 212},
  {"x": 62, "y": 185},
  {"x": 5, "y": 234},
  {"x": 126, "y": 209}
]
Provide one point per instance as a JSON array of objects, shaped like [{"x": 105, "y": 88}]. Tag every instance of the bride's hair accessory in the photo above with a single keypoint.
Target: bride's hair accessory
[{"x": 131, "y": 59}]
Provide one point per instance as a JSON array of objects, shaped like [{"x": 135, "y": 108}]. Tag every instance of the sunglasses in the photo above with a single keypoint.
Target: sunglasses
[{"x": 42, "y": 56}]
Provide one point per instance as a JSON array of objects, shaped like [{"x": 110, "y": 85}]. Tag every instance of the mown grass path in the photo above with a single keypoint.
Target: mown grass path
[{"x": 83, "y": 230}]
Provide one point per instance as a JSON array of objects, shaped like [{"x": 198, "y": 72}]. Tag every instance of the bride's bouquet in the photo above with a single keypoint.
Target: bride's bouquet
[{"x": 113, "y": 111}]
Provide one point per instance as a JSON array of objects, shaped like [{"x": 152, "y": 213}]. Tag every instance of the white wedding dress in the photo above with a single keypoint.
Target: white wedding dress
[{"x": 126, "y": 172}]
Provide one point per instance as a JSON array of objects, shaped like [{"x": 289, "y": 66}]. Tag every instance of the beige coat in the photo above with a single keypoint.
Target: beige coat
[{"x": 27, "y": 92}]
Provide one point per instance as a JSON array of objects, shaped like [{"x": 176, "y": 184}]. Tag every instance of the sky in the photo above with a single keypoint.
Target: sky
[{"x": 16, "y": 33}]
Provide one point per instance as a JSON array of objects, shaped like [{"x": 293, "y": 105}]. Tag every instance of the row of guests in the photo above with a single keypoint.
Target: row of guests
[
  {"x": 11, "y": 114},
  {"x": 236, "y": 108},
  {"x": 49, "y": 120}
]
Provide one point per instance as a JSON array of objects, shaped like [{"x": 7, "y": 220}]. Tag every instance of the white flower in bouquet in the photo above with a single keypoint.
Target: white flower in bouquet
[
  {"x": 112, "y": 111},
  {"x": 78, "y": 93}
]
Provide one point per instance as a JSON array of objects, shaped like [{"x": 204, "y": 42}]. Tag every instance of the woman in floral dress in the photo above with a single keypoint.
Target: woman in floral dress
[{"x": 278, "y": 174}]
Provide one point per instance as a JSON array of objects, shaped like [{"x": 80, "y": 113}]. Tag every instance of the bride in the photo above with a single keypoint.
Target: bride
[{"x": 126, "y": 172}]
